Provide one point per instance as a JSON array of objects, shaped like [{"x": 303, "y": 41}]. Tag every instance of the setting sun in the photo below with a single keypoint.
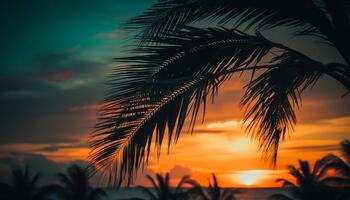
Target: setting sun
[
  {"x": 248, "y": 180},
  {"x": 251, "y": 177}
]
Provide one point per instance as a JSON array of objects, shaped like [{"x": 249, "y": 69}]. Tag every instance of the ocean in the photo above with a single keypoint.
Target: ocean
[{"x": 244, "y": 193}]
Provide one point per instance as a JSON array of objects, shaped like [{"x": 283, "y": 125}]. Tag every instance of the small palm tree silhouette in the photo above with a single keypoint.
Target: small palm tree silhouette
[
  {"x": 24, "y": 186},
  {"x": 311, "y": 184},
  {"x": 161, "y": 189},
  {"x": 180, "y": 62},
  {"x": 75, "y": 185},
  {"x": 215, "y": 192},
  {"x": 342, "y": 167}
]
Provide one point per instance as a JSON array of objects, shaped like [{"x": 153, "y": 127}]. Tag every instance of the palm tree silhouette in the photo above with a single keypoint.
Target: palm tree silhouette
[
  {"x": 163, "y": 190},
  {"x": 311, "y": 184},
  {"x": 24, "y": 186},
  {"x": 179, "y": 64},
  {"x": 76, "y": 186},
  {"x": 342, "y": 167},
  {"x": 214, "y": 192}
]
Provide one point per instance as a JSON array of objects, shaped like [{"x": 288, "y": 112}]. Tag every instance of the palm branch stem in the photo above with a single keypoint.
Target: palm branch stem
[
  {"x": 219, "y": 74},
  {"x": 317, "y": 66}
]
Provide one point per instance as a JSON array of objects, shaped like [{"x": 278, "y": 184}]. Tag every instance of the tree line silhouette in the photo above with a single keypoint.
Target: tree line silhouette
[
  {"x": 327, "y": 179},
  {"x": 72, "y": 186}
]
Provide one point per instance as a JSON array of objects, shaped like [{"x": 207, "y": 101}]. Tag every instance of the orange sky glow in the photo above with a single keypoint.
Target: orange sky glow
[{"x": 221, "y": 146}]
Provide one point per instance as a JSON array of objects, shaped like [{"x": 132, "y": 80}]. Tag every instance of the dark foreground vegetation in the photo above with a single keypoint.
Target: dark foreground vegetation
[{"x": 327, "y": 179}]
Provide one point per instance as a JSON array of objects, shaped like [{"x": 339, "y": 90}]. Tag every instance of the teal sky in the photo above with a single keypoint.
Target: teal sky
[
  {"x": 32, "y": 29},
  {"x": 55, "y": 56}
]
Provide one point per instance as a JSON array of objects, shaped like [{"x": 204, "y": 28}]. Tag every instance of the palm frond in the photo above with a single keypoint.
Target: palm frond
[
  {"x": 337, "y": 164},
  {"x": 148, "y": 192},
  {"x": 23, "y": 179},
  {"x": 345, "y": 150},
  {"x": 184, "y": 180},
  {"x": 228, "y": 194},
  {"x": 336, "y": 181},
  {"x": 153, "y": 182},
  {"x": 75, "y": 185},
  {"x": 160, "y": 87},
  {"x": 214, "y": 191},
  {"x": 286, "y": 183},
  {"x": 195, "y": 188},
  {"x": 163, "y": 186},
  {"x": 96, "y": 194},
  {"x": 65, "y": 180},
  {"x": 339, "y": 11},
  {"x": 270, "y": 100},
  {"x": 35, "y": 179},
  {"x": 163, "y": 190},
  {"x": 164, "y": 82},
  {"x": 311, "y": 182},
  {"x": 170, "y": 15}
]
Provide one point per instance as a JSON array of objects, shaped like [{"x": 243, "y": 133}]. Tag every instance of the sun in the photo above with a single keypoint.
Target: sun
[{"x": 249, "y": 177}]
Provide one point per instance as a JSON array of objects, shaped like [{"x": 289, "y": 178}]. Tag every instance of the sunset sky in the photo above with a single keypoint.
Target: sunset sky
[{"x": 55, "y": 56}]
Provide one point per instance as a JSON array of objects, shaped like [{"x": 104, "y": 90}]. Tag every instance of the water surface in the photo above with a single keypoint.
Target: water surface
[{"x": 244, "y": 193}]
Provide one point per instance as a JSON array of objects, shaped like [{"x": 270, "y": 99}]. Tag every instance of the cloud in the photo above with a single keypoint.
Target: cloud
[
  {"x": 175, "y": 173},
  {"x": 65, "y": 71},
  {"x": 85, "y": 107},
  {"x": 203, "y": 131},
  {"x": 112, "y": 35},
  {"x": 54, "y": 71},
  {"x": 179, "y": 171},
  {"x": 50, "y": 118},
  {"x": 49, "y": 149},
  {"x": 226, "y": 124},
  {"x": 23, "y": 85},
  {"x": 52, "y": 85},
  {"x": 55, "y": 148},
  {"x": 314, "y": 148}
]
